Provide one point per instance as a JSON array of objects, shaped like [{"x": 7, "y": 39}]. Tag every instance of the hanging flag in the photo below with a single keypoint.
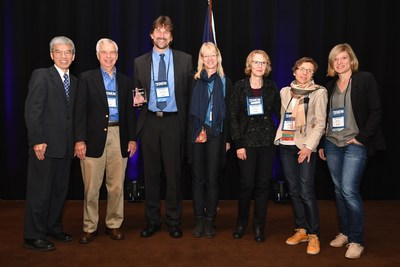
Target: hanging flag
[{"x": 209, "y": 28}]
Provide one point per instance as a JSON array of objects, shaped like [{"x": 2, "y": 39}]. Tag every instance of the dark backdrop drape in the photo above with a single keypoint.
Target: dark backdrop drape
[{"x": 285, "y": 29}]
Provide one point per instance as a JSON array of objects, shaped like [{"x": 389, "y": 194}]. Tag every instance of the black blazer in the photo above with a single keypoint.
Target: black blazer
[
  {"x": 48, "y": 115},
  {"x": 367, "y": 109},
  {"x": 92, "y": 112},
  {"x": 183, "y": 71},
  {"x": 254, "y": 131}
]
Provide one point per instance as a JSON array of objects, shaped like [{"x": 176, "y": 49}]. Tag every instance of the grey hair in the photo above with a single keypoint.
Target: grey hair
[
  {"x": 61, "y": 40},
  {"x": 105, "y": 40}
]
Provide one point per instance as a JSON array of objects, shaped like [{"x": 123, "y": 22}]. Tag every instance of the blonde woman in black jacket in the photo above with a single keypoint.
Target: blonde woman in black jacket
[
  {"x": 353, "y": 133},
  {"x": 255, "y": 99}
]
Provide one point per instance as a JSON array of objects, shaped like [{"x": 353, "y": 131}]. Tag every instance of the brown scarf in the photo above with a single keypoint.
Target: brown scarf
[{"x": 298, "y": 112}]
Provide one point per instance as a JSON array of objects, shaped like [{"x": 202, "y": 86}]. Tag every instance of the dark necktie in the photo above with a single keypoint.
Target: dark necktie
[
  {"x": 162, "y": 76},
  {"x": 66, "y": 85}
]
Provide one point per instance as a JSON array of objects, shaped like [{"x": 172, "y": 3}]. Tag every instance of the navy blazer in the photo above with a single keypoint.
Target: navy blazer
[
  {"x": 48, "y": 114},
  {"x": 92, "y": 112},
  {"x": 183, "y": 71},
  {"x": 367, "y": 109}
]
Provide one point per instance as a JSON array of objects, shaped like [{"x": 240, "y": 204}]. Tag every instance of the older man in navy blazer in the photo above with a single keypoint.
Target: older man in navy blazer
[{"x": 105, "y": 135}]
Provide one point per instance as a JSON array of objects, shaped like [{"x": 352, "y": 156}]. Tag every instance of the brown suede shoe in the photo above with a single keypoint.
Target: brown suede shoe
[
  {"x": 88, "y": 237},
  {"x": 115, "y": 233}
]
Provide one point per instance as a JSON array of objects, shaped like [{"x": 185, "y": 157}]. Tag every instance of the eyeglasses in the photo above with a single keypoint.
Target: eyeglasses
[
  {"x": 260, "y": 63},
  {"x": 210, "y": 56},
  {"x": 111, "y": 53},
  {"x": 308, "y": 71},
  {"x": 59, "y": 53}
]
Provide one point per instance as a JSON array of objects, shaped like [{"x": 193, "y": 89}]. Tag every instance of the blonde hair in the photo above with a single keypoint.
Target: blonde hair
[
  {"x": 339, "y": 49},
  {"x": 200, "y": 62},
  {"x": 247, "y": 69}
]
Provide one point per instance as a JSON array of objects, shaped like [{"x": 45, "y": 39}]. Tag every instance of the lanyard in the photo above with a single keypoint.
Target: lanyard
[{"x": 345, "y": 94}]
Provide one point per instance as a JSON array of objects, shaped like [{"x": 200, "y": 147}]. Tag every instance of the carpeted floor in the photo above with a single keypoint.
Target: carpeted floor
[{"x": 382, "y": 235}]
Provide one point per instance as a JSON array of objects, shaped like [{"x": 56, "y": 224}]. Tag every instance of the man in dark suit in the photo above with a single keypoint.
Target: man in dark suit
[
  {"x": 105, "y": 135},
  {"x": 165, "y": 74},
  {"x": 48, "y": 118}
]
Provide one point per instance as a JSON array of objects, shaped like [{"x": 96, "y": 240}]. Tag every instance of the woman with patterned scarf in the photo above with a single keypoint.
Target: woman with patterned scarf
[
  {"x": 302, "y": 125},
  {"x": 209, "y": 136}
]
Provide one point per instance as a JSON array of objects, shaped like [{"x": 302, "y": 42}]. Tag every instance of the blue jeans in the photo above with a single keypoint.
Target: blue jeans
[
  {"x": 205, "y": 176},
  {"x": 300, "y": 178},
  {"x": 346, "y": 166}
]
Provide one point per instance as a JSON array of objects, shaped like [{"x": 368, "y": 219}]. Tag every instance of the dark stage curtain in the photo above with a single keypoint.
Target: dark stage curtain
[{"x": 285, "y": 29}]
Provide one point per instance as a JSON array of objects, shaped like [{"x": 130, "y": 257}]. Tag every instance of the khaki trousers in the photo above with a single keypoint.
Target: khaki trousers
[{"x": 112, "y": 166}]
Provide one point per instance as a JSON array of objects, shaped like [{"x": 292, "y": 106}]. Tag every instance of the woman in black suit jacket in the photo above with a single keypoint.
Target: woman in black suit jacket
[
  {"x": 255, "y": 100},
  {"x": 353, "y": 133}
]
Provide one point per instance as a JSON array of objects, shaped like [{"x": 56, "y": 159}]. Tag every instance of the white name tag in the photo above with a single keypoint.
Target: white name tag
[
  {"x": 112, "y": 99},
  {"x": 255, "y": 105},
  {"x": 288, "y": 122},
  {"x": 162, "y": 90},
  {"x": 338, "y": 119}
]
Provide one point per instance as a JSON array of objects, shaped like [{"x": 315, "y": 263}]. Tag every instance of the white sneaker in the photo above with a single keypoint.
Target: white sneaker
[
  {"x": 339, "y": 241},
  {"x": 354, "y": 251}
]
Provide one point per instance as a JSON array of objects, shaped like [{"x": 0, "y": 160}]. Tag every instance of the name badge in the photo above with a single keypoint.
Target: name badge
[
  {"x": 338, "y": 119},
  {"x": 162, "y": 90},
  {"x": 255, "y": 105},
  {"x": 288, "y": 122},
  {"x": 112, "y": 99}
]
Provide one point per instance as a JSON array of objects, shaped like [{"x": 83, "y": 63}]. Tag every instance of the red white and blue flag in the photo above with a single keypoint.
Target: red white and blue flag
[{"x": 209, "y": 28}]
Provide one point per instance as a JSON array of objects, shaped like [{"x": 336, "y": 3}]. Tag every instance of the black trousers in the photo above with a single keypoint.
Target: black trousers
[
  {"x": 46, "y": 190},
  {"x": 161, "y": 140},
  {"x": 256, "y": 173},
  {"x": 205, "y": 177}
]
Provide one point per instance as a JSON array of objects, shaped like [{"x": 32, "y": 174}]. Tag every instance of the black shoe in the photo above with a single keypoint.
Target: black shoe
[
  {"x": 209, "y": 228},
  {"x": 259, "y": 235},
  {"x": 63, "y": 237},
  {"x": 175, "y": 231},
  {"x": 149, "y": 230},
  {"x": 39, "y": 244},
  {"x": 239, "y": 232},
  {"x": 198, "y": 230}
]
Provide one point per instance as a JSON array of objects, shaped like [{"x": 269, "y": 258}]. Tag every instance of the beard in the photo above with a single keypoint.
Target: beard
[{"x": 161, "y": 45}]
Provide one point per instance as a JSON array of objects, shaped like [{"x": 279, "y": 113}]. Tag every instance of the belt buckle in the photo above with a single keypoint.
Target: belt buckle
[{"x": 159, "y": 113}]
